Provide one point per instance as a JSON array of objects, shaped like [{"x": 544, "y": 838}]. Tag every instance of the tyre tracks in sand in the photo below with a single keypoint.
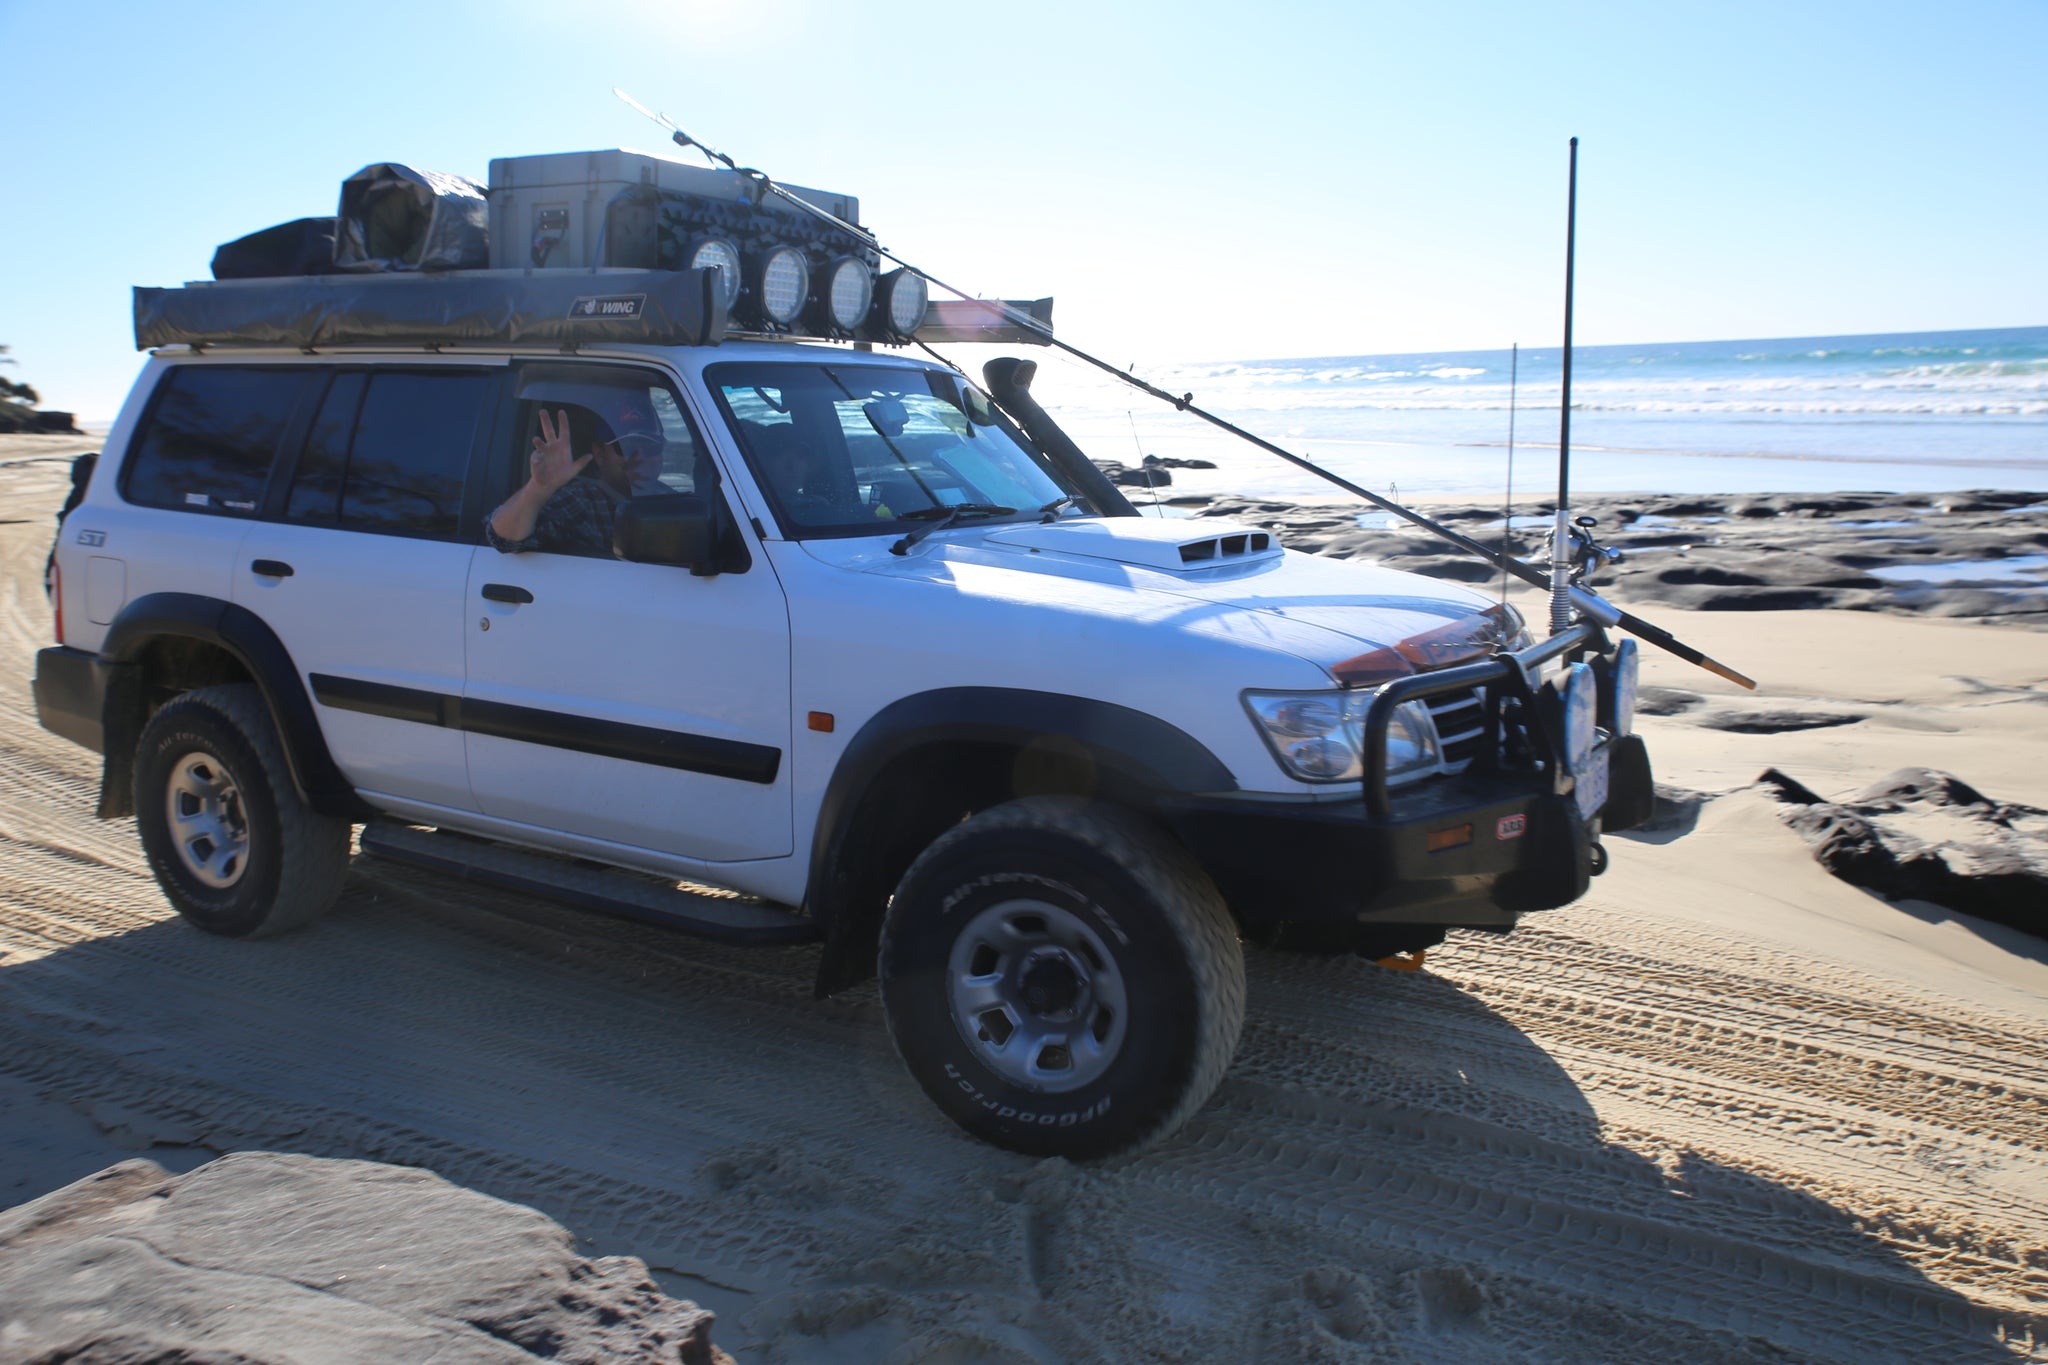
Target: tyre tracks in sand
[{"x": 1601, "y": 1139}]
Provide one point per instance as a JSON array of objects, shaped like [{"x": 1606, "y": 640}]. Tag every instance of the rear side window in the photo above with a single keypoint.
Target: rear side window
[
  {"x": 212, "y": 436},
  {"x": 388, "y": 450}
]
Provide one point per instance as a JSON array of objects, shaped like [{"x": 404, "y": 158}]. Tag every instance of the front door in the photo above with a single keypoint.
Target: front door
[{"x": 632, "y": 703}]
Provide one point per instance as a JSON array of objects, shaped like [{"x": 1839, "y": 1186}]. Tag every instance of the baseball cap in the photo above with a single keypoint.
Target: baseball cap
[{"x": 631, "y": 424}]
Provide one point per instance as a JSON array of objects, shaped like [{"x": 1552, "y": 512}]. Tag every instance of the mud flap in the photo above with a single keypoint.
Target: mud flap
[
  {"x": 1631, "y": 792},
  {"x": 1559, "y": 864}
]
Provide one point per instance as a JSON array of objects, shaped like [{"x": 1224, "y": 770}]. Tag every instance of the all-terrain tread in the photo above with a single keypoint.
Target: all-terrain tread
[
  {"x": 313, "y": 849},
  {"x": 1194, "y": 912}
]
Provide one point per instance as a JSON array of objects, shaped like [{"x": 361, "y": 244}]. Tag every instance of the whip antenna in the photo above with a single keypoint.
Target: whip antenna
[
  {"x": 1561, "y": 531},
  {"x": 1507, "y": 511}
]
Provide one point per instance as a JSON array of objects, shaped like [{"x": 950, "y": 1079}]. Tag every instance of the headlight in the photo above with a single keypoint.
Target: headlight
[
  {"x": 1581, "y": 693},
  {"x": 904, "y": 302},
  {"x": 708, "y": 252},
  {"x": 784, "y": 284},
  {"x": 1320, "y": 736},
  {"x": 849, "y": 289},
  {"x": 1516, "y": 629},
  {"x": 1623, "y": 670}
]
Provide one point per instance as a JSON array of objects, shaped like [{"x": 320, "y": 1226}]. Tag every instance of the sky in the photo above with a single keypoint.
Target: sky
[{"x": 1190, "y": 181}]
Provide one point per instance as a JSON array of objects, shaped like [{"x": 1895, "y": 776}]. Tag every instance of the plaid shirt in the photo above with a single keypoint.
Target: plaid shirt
[{"x": 577, "y": 520}]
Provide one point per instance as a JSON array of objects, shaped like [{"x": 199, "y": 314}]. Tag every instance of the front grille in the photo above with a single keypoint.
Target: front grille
[{"x": 1460, "y": 725}]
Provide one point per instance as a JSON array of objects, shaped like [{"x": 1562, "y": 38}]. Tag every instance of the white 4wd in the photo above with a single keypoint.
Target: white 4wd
[{"x": 849, "y": 640}]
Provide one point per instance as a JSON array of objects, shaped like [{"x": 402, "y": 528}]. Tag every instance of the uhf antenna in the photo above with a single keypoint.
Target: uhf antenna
[
  {"x": 1561, "y": 532},
  {"x": 1185, "y": 402},
  {"x": 1507, "y": 511}
]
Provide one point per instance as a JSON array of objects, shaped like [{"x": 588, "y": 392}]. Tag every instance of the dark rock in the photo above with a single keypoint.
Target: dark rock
[
  {"x": 1775, "y": 722},
  {"x": 252, "y": 1255},
  {"x": 1706, "y": 573},
  {"x": 1788, "y": 788},
  {"x": 1667, "y": 701},
  {"x": 1118, "y": 473},
  {"x": 1768, "y": 599},
  {"x": 1922, "y": 834},
  {"x": 1998, "y": 500},
  {"x": 1847, "y": 845},
  {"x": 1920, "y": 784}
]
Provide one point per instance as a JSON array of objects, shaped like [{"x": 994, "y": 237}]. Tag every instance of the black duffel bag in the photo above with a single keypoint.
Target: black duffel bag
[{"x": 304, "y": 246}]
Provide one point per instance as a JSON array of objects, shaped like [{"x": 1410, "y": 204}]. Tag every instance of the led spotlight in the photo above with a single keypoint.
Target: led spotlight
[
  {"x": 1621, "y": 708},
  {"x": 849, "y": 289},
  {"x": 904, "y": 302},
  {"x": 708, "y": 252},
  {"x": 782, "y": 284},
  {"x": 1581, "y": 713}
]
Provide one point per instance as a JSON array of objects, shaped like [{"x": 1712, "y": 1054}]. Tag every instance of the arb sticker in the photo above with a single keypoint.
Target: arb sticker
[{"x": 1510, "y": 826}]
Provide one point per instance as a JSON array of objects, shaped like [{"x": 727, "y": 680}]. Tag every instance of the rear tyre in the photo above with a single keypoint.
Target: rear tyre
[
  {"x": 236, "y": 850},
  {"x": 1062, "y": 978}
]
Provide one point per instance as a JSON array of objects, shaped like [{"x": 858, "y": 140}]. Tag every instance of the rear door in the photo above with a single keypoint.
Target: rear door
[
  {"x": 362, "y": 570},
  {"x": 631, "y": 703}
]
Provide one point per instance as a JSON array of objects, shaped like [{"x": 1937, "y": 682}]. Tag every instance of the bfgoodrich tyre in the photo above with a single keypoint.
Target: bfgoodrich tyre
[
  {"x": 1062, "y": 978},
  {"x": 236, "y": 850}
]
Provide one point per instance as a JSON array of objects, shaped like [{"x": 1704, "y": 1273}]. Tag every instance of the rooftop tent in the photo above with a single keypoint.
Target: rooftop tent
[{"x": 470, "y": 307}]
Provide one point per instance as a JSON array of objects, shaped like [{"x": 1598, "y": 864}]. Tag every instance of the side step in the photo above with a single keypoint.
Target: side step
[{"x": 610, "y": 891}]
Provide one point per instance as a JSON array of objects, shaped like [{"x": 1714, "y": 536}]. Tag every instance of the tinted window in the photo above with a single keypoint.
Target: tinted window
[
  {"x": 388, "y": 451},
  {"x": 316, "y": 489},
  {"x": 211, "y": 437}
]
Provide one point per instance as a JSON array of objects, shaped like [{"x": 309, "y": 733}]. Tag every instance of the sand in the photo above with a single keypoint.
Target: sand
[{"x": 1724, "y": 1109}]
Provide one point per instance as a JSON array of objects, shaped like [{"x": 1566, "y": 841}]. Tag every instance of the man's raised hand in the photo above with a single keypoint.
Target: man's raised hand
[{"x": 553, "y": 465}]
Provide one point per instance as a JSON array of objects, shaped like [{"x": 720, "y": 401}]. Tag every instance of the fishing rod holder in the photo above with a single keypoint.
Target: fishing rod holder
[{"x": 1583, "y": 553}]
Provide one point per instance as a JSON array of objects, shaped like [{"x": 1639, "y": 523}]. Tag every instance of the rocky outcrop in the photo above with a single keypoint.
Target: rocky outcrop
[
  {"x": 268, "y": 1259},
  {"x": 1152, "y": 472},
  {"x": 1982, "y": 554},
  {"x": 1925, "y": 835}
]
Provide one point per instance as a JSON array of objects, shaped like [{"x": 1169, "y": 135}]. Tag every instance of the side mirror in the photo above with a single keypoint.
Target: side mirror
[{"x": 668, "y": 528}]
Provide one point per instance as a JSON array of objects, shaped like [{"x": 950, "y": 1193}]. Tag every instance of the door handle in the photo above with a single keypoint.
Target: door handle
[
  {"x": 270, "y": 568},
  {"x": 500, "y": 592}
]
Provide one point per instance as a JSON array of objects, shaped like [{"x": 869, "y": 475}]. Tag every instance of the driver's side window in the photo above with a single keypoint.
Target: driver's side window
[{"x": 637, "y": 436}]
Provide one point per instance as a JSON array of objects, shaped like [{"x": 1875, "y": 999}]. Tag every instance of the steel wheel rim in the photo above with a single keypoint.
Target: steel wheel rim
[
  {"x": 1037, "y": 996},
  {"x": 209, "y": 829}
]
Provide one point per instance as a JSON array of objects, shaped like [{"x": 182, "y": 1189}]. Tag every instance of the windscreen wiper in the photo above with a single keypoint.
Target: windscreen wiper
[
  {"x": 939, "y": 518},
  {"x": 1051, "y": 511}
]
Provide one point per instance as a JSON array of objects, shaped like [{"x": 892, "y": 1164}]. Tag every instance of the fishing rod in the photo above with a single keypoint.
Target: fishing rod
[
  {"x": 1561, "y": 528},
  {"x": 1591, "y": 604}
]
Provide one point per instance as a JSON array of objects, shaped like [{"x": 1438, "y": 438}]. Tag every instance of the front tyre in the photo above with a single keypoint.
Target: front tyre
[
  {"x": 236, "y": 850},
  {"x": 1062, "y": 978}
]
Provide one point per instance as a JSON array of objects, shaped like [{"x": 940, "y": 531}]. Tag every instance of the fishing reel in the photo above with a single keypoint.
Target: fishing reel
[{"x": 1586, "y": 555}]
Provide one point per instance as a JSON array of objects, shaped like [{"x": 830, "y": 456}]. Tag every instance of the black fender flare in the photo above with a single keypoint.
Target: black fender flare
[
  {"x": 242, "y": 634},
  {"x": 1137, "y": 756}
]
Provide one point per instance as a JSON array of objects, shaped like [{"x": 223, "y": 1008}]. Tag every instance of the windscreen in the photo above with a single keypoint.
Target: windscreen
[{"x": 855, "y": 449}]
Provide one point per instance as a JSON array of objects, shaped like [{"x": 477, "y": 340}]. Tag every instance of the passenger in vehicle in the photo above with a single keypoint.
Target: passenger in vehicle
[
  {"x": 637, "y": 433},
  {"x": 556, "y": 511},
  {"x": 810, "y": 486}
]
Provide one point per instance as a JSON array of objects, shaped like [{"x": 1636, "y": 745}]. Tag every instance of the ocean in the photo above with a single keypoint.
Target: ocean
[{"x": 1911, "y": 412}]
